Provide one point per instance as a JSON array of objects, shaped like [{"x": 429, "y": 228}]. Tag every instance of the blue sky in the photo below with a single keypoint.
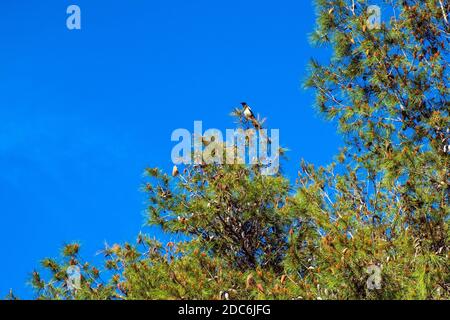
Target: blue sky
[{"x": 83, "y": 113}]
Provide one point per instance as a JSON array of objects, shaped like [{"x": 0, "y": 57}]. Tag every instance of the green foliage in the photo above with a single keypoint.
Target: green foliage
[{"x": 383, "y": 202}]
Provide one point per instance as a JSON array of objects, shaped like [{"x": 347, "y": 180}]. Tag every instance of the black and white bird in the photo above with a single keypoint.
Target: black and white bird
[
  {"x": 250, "y": 116},
  {"x": 248, "y": 113}
]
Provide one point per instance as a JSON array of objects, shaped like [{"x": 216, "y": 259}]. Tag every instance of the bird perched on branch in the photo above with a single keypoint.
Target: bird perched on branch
[{"x": 249, "y": 115}]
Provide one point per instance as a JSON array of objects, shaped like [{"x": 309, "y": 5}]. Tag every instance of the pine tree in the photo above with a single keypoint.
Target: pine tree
[{"x": 382, "y": 205}]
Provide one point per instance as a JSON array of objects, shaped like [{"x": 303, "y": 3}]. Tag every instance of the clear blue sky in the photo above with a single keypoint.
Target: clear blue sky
[{"x": 83, "y": 113}]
